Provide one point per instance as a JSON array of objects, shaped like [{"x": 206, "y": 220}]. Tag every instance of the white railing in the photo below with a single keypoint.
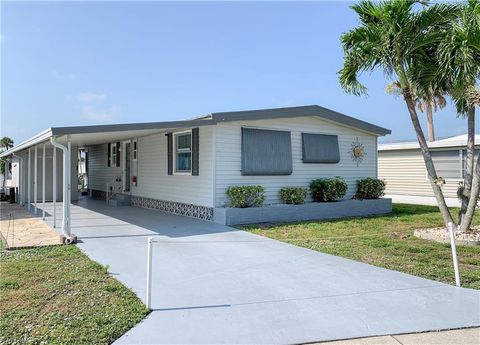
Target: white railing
[
  {"x": 114, "y": 189},
  {"x": 451, "y": 230}
]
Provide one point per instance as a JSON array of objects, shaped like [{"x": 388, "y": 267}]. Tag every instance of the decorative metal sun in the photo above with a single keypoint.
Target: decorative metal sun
[{"x": 357, "y": 151}]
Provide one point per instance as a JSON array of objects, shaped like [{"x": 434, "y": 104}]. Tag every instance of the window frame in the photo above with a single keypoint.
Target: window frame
[
  {"x": 113, "y": 155},
  {"x": 134, "y": 150},
  {"x": 175, "y": 152}
]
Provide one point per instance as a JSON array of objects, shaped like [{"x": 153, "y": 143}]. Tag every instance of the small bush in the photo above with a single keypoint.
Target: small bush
[
  {"x": 328, "y": 189},
  {"x": 246, "y": 196},
  {"x": 370, "y": 188},
  {"x": 293, "y": 195}
]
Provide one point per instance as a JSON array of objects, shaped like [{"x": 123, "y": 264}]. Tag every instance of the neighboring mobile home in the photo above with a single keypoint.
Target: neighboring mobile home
[
  {"x": 402, "y": 166},
  {"x": 185, "y": 167}
]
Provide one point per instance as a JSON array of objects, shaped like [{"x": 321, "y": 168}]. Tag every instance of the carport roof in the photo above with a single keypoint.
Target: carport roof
[{"x": 83, "y": 135}]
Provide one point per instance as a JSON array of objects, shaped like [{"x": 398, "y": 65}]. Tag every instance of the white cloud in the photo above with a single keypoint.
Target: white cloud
[
  {"x": 105, "y": 115},
  {"x": 88, "y": 97},
  {"x": 94, "y": 108}
]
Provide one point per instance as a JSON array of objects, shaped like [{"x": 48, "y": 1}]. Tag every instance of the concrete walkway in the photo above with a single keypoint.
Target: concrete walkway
[{"x": 215, "y": 284}]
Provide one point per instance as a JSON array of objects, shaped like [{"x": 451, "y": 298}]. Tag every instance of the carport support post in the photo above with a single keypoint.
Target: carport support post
[
  {"x": 54, "y": 186},
  {"x": 149, "y": 273},
  {"x": 43, "y": 183},
  {"x": 35, "y": 171},
  {"x": 66, "y": 185},
  {"x": 451, "y": 229},
  {"x": 29, "y": 177},
  {"x": 69, "y": 184}
]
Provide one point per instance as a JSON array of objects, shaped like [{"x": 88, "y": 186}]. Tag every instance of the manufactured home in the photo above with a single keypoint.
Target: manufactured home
[
  {"x": 402, "y": 166},
  {"x": 185, "y": 167}
]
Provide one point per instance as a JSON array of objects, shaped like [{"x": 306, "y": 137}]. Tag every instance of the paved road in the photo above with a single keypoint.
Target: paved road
[{"x": 215, "y": 284}]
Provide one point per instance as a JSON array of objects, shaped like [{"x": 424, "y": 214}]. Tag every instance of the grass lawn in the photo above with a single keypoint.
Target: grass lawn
[
  {"x": 57, "y": 295},
  {"x": 385, "y": 241}
]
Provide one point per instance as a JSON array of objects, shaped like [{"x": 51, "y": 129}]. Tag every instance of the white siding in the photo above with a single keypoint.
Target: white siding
[
  {"x": 405, "y": 174},
  {"x": 153, "y": 180},
  {"x": 99, "y": 174},
  {"x": 228, "y": 157}
]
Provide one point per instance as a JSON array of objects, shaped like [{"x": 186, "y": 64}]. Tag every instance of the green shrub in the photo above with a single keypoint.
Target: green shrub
[
  {"x": 370, "y": 188},
  {"x": 246, "y": 196},
  {"x": 328, "y": 189},
  {"x": 293, "y": 195}
]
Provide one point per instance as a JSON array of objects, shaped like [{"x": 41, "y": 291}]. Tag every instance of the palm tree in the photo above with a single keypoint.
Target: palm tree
[
  {"x": 5, "y": 144},
  {"x": 459, "y": 55},
  {"x": 395, "y": 38}
]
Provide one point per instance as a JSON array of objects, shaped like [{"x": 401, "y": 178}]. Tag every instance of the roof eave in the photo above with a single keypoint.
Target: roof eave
[
  {"x": 309, "y": 110},
  {"x": 45, "y": 135}
]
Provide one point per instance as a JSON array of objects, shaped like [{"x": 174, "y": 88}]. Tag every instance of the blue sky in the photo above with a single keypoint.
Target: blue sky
[{"x": 90, "y": 63}]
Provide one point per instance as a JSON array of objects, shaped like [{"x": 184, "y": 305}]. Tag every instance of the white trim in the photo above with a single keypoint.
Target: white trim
[
  {"x": 123, "y": 163},
  {"x": 134, "y": 149},
  {"x": 174, "y": 135},
  {"x": 214, "y": 166}
]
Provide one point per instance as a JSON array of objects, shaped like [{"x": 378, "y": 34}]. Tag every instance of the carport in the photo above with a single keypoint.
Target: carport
[
  {"x": 216, "y": 284},
  {"x": 48, "y": 166}
]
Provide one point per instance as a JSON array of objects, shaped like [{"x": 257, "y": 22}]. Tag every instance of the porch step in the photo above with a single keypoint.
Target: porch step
[{"x": 120, "y": 200}]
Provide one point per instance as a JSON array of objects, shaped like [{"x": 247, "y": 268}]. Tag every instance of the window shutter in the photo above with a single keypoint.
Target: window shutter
[
  {"x": 118, "y": 154},
  {"x": 195, "y": 151},
  {"x": 266, "y": 152},
  {"x": 320, "y": 148},
  {"x": 109, "y": 153},
  {"x": 169, "y": 153}
]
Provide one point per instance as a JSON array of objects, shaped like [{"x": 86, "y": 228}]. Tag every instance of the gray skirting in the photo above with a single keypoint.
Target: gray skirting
[
  {"x": 308, "y": 211},
  {"x": 189, "y": 210},
  {"x": 98, "y": 194}
]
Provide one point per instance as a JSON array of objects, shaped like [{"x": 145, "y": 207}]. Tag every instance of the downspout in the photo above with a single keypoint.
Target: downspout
[
  {"x": 66, "y": 224},
  {"x": 20, "y": 179}
]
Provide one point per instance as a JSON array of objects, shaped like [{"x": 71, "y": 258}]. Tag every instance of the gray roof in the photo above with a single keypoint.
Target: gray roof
[
  {"x": 212, "y": 119},
  {"x": 307, "y": 110}
]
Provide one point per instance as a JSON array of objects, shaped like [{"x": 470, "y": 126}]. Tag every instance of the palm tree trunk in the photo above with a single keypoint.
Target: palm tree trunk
[
  {"x": 465, "y": 190},
  {"x": 432, "y": 174},
  {"x": 430, "y": 128},
  {"x": 472, "y": 202}
]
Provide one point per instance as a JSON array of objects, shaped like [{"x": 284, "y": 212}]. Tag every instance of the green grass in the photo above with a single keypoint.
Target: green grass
[
  {"x": 385, "y": 241},
  {"x": 56, "y": 295}
]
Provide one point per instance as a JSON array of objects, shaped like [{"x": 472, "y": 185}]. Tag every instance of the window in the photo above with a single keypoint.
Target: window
[
  {"x": 320, "y": 148},
  {"x": 266, "y": 152},
  {"x": 113, "y": 154},
  {"x": 447, "y": 164},
  {"x": 183, "y": 152},
  {"x": 134, "y": 150}
]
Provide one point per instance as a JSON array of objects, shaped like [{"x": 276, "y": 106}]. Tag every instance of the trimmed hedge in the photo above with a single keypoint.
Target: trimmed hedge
[
  {"x": 328, "y": 189},
  {"x": 246, "y": 196},
  {"x": 293, "y": 195},
  {"x": 370, "y": 188}
]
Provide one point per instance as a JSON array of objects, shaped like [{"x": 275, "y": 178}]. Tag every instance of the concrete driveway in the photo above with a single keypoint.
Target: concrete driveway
[{"x": 215, "y": 284}]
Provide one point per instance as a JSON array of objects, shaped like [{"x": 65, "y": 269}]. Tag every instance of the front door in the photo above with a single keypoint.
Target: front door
[{"x": 126, "y": 167}]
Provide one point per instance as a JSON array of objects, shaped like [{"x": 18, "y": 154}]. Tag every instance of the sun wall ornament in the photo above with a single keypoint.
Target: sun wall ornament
[{"x": 357, "y": 151}]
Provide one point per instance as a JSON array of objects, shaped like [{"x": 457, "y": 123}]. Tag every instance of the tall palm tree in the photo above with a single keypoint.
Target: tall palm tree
[
  {"x": 395, "y": 38},
  {"x": 459, "y": 55}
]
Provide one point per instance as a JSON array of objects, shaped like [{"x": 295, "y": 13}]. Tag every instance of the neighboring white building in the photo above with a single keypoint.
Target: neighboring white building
[
  {"x": 185, "y": 167},
  {"x": 402, "y": 166}
]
